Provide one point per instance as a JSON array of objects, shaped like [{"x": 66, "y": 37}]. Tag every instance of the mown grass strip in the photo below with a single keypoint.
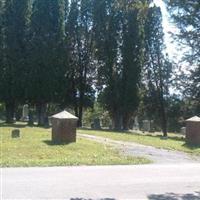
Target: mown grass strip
[{"x": 34, "y": 148}]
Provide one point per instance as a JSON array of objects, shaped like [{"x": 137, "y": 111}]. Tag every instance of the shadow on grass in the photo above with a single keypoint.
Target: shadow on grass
[
  {"x": 13, "y": 125},
  {"x": 16, "y": 125},
  {"x": 51, "y": 143},
  {"x": 173, "y": 196},
  {"x": 102, "y": 130},
  {"x": 191, "y": 147},
  {"x": 175, "y": 138}
]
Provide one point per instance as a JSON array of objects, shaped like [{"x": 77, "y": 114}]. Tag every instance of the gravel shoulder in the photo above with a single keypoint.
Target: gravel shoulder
[{"x": 157, "y": 155}]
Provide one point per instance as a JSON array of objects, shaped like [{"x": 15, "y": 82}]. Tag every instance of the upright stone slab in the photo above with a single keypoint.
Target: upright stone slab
[
  {"x": 63, "y": 127},
  {"x": 96, "y": 124},
  {"x": 193, "y": 131},
  {"x": 25, "y": 113}
]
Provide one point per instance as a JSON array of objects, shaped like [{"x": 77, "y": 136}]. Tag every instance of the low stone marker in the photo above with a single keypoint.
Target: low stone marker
[
  {"x": 15, "y": 133},
  {"x": 183, "y": 130}
]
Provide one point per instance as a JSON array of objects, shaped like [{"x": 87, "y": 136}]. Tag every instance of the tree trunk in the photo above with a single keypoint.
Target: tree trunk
[
  {"x": 42, "y": 114},
  {"x": 80, "y": 116},
  {"x": 117, "y": 122},
  {"x": 163, "y": 117},
  {"x": 125, "y": 122},
  {"x": 10, "y": 109},
  {"x": 80, "y": 109}
]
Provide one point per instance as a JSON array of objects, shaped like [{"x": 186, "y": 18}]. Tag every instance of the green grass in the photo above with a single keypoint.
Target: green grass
[
  {"x": 174, "y": 141},
  {"x": 34, "y": 148}
]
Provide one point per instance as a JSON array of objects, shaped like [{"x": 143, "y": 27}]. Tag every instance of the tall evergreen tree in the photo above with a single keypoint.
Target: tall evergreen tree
[
  {"x": 132, "y": 58},
  {"x": 107, "y": 34},
  {"x": 47, "y": 64},
  {"x": 15, "y": 29},
  {"x": 80, "y": 41},
  {"x": 186, "y": 15},
  {"x": 158, "y": 68},
  {"x": 1, "y": 43},
  {"x": 1, "y": 36},
  {"x": 118, "y": 29}
]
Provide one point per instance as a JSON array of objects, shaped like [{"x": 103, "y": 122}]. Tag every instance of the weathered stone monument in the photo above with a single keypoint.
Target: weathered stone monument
[
  {"x": 63, "y": 127},
  {"x": 15, "y": 133},
  {"x": 146, "y": 125},
  {"x": 96, "y": 124},
  {"x": 193, "y": 131},
  {"x": 136, "y": 124},
  {"x": 25, "y": 113}
]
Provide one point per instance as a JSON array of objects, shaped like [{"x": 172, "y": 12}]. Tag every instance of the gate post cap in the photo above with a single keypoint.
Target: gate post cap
[
  {"x": 64, "y": 115},
  {"x": 193, "y": 119}
]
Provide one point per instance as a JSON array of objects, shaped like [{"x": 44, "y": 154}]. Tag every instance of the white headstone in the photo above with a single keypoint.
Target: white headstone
[{"x": 25, "y": 113}]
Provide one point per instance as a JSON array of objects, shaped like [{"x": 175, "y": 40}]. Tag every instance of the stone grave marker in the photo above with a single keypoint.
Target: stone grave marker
[
  {"x": 25, "y": 113},
  {"x": 15, "y": 133}
]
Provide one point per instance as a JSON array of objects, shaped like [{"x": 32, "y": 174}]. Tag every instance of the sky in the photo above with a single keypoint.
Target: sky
[
  {"x": 169, "y": 27},
  {"x": 174, "y": 50}
]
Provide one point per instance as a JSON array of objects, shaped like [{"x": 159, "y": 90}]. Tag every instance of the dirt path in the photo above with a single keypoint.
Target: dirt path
[{"x": 158, "y": 156}]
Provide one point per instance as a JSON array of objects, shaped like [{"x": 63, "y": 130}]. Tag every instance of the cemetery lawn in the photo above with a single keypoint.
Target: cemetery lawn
[
  {"x": 174, "y": 141},
  {"x": 34, "y": 148}
]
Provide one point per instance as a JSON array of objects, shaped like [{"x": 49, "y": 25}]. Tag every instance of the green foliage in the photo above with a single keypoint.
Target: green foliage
[
  {"x": 157, "y": 70},
  {"x": 46, "y": 50},
  {"x": 97, "y": 112},
  {"x": 13, "y": 54},
  {"x": 62, "y": 52},
  {"x": 186, "y": 15},
  {"x": 81, "y": 64},
  {"x": 14, "y": 50},
  {"x": 118, "y": 43}
]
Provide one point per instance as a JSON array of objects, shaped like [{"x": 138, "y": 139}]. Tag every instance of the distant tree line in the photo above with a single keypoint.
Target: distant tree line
[{"x": 66, "y": 52}]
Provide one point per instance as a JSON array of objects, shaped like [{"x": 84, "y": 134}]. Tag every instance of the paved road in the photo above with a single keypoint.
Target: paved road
[
  {"x": 152, "y": 182},
  {"x": 157, "y": 155}
]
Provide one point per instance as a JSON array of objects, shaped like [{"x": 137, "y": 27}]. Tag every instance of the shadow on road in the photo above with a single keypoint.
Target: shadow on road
[
  {"x": 173, "y": 196},
  {"x": 92, "y": 199}
]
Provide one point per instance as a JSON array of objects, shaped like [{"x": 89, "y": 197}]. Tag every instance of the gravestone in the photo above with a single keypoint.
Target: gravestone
[
  {"x": 96, "y": 124},
  {"x": 25, "y": 113},
  {"x": 146, "y": 125},
  {"x": 15, "y": 133},
  {"x": 136, "y": 124},
  {"x": 183, "y": 130}
]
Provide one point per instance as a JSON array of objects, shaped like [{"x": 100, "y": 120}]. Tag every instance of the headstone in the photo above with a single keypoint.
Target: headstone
[
  {"x": 96, "y": 123},
  {"x": 136, "y": 124},
  {"x": 25, "y": 113},
  {"x": 15, "y": 133},
  {"x": 146, "y": 125},
  {"x": 183, "y": 130}
]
